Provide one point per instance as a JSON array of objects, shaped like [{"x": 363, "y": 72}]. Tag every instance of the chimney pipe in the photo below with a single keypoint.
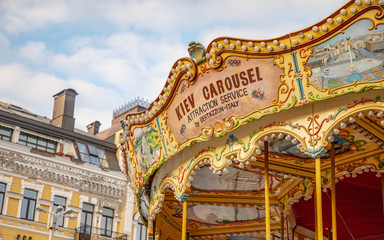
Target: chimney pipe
[
  {"x": 63, "y": 109},
  {"x": 93, "y": 128}
]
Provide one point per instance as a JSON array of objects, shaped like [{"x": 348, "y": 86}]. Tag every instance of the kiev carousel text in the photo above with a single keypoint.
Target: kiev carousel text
[{"x": 226, "y": 93}]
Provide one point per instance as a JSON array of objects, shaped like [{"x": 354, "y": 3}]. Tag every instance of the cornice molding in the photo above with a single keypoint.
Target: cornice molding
[
  {"x": 45, "y": 202},
  {"x": 75, "y": 209},
  {"x": 40, "y": 169},
  {"x": 14, "y": 195}
]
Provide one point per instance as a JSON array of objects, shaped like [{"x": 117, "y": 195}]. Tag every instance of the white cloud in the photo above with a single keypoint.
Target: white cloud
[
  {"x": 34, "y": 91},
  {"x": 34, "y": 52},
  {"x": 165, "y": 17},
  {"x": 28, "y": 15},
  {"x": 30, "y": 87},
  {"x": 93, "y": 103},
  {"x": 154, "y": 15},
  {"x": 125, "y": 60},
  {"x": 4, "y": 42}
]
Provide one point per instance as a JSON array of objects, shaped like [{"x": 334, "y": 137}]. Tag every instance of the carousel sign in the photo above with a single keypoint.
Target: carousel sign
[
  {"x": 245, "y": 85},
  {"x": 268, "y": 115}
]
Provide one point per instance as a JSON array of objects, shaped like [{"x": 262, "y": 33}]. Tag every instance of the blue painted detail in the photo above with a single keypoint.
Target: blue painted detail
[
  {"x": 165, "y": 147},
  {"x": 316, "y": 153},
  {"x": 297, "y": 70},
  {"x": 334, "y": 117},
  {"x": 162, "y": 139},
  {"x": 123, "y": 126},
  {"x": 300, "y": 83},
  {"x": 183, "y": 198},
  {"x": 158, "y": 125},
  {"x": 196, "y": 52},
  {"x": 354, "y": 77}
]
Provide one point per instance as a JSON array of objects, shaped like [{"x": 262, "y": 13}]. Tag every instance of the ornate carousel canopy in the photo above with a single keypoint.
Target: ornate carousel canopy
[{"x": 301, "y": 114}]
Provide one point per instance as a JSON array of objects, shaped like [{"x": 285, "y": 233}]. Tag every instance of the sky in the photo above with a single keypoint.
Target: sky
[{"x": 112, "y": 51}]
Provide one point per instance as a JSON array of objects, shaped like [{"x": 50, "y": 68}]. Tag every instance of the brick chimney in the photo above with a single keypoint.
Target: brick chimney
[
  {"x": 63, "y": 109},
  {"x": 93, "y": 128}
]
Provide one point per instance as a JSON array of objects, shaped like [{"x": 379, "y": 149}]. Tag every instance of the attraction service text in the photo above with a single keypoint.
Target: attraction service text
[{"x": 220, "y": 95}]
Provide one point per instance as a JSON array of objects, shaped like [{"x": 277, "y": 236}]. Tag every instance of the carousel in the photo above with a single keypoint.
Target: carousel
[{"x": 267, "y": 139}]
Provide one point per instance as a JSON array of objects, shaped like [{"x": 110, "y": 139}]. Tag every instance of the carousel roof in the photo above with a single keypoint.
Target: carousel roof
[{"x": 239, "y": 107}]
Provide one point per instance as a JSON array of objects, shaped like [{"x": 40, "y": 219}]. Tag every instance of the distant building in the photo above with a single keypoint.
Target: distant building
[
  {"x": 49, "y": 163},
  {"x": 375, "y": 44},
  {"x": 319, "y": 61},
  {"x": 137, "y": 230}
]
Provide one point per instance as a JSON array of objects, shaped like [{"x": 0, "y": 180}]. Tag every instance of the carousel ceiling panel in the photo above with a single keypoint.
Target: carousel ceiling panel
[
  {"x": 214, "y": 215},
  {"x": 354, "y": 139},
  {"x": 234, "y": 180},
  {"x": 285, "y": 147}
]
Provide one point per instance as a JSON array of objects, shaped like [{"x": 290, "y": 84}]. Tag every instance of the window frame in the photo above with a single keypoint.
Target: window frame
[
  {"x": 27, "y": 142},
  {"x": 104, "y": 229},
  {"x": 140, "y": 232},
  {"x": 90, "y": 156},
  {"x": 2, "y": 136},
  {"x": 60, "y": 220},
  {"x": 86, "y": 214},
  {"x": 27, "y": 205},
  {"x": 2, "y": 198}
]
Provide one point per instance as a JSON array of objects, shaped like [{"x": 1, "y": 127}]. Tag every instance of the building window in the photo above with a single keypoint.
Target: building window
[
  {"x": 59, "y": 201},
  {"x": 2, "y": 193},
  {"x": 86, "y": 219},
  {"x": 106, "y": 222},
  {"x": 91, "y": 154},
  {"x": 32, "y": 141},
  {"x": 140, "y": 229},
  {"x": 28, "y": 205},
  {"x": 5, "y": 133}
]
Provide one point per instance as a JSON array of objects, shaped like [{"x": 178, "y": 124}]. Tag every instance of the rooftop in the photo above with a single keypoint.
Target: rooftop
[{"x": 137, "y": 102}]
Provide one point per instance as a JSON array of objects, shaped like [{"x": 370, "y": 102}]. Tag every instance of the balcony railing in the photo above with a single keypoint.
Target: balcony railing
[{"x": 93, "y": 233}]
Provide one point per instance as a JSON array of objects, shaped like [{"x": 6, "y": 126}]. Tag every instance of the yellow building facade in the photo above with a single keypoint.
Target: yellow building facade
[{"x": 47, "y": 165}]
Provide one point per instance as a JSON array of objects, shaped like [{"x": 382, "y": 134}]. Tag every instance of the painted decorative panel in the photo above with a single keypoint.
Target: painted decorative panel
[{"x": 233, "y": 93}]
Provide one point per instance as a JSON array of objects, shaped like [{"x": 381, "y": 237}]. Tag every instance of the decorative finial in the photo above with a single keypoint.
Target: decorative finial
[{"x": 196, "y": 52}]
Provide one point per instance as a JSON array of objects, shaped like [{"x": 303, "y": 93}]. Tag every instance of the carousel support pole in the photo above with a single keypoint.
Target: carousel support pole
[
  {"x": 314, "y": 195},
  {"x": 184, "y": 227},
  {"x": 282, "y": 225},
  {"x": 266, "y": 187},
  {"x": 319, "y": 214},
  {"x": 151, "y": 236},
  {"x": 333, "y": 185}
]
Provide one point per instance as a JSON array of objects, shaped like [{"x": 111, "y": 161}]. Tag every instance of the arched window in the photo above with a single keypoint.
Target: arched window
[
  {"x": 140, "y": 232},
  {"x": 18, "y": 237}
]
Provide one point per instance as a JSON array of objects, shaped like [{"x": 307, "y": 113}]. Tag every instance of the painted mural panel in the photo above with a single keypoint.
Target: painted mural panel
[
  {"x": 243, "y": 86},
  {"x": 355, "y": 56},
  {"x": 211, "y": 214},
  {"x": 234, "y": 180},
  {"x": 147, "y": 146}
]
